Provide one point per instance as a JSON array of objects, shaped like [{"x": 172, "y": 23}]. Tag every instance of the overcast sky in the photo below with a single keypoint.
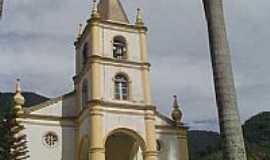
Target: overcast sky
[{"x": 36, "y": 44}]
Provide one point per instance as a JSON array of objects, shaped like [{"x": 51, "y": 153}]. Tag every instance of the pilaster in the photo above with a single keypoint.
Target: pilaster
[
  {"x": 77, "y": 141},
  {"x": 143, "y": 45},
  {"x": 183, "y": 144},
  {"x": 97, "y": 150},
  {"x": 96, "y": 80},
  {"x": 145, "y": 71},
  {"x": 95, "y": 36},
  {"x": 146, "y": 86},
  {"x": 78, "y": 97},
  {"x": 151, "y": 151}
]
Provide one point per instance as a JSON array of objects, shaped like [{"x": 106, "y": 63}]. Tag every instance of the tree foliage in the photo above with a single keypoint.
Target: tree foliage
[
  {"x": 12, "y": 140},
  {"x": 204, "y": 145}
]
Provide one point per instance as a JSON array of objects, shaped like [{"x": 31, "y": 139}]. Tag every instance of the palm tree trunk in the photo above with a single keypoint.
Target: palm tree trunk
[
  {"x": 1, "y": 8},
  {"x": 230, "y": 126}
]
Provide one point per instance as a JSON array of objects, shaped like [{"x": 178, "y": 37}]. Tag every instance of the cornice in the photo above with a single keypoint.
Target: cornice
[
  {"x": 45, "y": 117},
  {"x": 165, "y": 118},
  {"x": 124, "y": 27},
  {"x": 124, "y": 112},
  {"x": 78, "y": 41},
  {"x": 90, "y": 22},
  {"x": 123, "y": 105},
  {"x": 109, "y": 61},
  {"x": 109, "y": 24},
  {"x": 167, "y": 127},
  {"x": 170, "y": 121},
  {"x": 97, "y": 58}
]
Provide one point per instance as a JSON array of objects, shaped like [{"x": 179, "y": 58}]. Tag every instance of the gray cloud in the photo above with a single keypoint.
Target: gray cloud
[{"x": 36, "y": 44}]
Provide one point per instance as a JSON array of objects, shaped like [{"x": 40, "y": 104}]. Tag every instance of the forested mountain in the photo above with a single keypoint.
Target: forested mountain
[
  {"x": 205, "y": 145},
  {"x": 31, "y": 99}
]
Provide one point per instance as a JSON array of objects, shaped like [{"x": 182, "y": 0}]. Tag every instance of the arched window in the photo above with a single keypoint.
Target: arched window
[
  {"x": 119, "y": 47},
  {"x": 121, "y": 87},
  {"x": 84, "y": 94},
  {"x": 85, "y": 52}
]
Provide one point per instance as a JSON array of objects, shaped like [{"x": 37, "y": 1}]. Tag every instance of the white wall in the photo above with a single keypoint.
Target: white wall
[
  {"x": 114, "y": 121},
  {"x": 168, "y": 138},
  {"x": 169, "y": 147},
  {"x": 63, "y": 107},
  {"x": 84, "y": 127},
  {"x": 35, "y": 131}
]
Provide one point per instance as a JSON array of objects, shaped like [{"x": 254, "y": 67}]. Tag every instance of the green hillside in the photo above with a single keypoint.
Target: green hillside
[
  {"x": 31, "y": 99},
  {"x": 202, "y": 143},
  {"x": 205, "y": 145},
  {"x": 257, "y": 135}
]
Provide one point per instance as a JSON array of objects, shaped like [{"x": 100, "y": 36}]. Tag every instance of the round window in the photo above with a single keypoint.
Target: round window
[{"x": 50, "y": 139}]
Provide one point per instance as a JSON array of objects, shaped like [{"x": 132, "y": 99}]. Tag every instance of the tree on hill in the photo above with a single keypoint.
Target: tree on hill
[
  {"x": 32, "y": 99},
  {"x": 12, "y": 140},
  {"x": 202, "y": 143},
  {"x": 256, "y": 134},
  {"x": 259, "y": 127}
]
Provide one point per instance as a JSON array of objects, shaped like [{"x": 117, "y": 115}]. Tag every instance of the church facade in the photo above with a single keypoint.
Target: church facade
[{"x": 110, "y": 114}]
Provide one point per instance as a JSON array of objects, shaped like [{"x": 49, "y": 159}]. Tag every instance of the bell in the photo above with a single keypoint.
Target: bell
[{"x": 118, "y": 51}]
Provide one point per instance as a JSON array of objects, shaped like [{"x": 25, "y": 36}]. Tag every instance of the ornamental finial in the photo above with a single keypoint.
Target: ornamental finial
[
  {"x": 18, "y": 98},
  {"x": 95, "y": 13},
  {"x": 139, "y": 17},
  {"x": 175, "y": 102},
  {"x": 176, "y": 113},
  {"x": 18, "y": 86},
  {"x": 79, "y": 31}
]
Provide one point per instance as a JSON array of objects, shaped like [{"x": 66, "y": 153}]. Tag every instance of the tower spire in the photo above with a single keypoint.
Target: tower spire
[
  {"x": 176, "y": 113},
  {"x": 175, "y": 102},
  {"x": 112, "y": 10},
  {"x": 95, "y": 13},
  {"x": 18, "y": 86},
  {"x": 79, "y": 31},
  {"x": 18, "y": 98}
]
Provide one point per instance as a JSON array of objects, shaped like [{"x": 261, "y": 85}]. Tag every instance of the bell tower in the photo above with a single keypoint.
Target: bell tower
[
  {"x": 111, "y": 57},
  {"x": 112, "y": 78}
]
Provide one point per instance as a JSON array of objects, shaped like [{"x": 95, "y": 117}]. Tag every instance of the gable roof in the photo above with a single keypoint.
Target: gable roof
[
  {"x": 165, "y": 118},
  {"x": 112, "y": 10},
  {"x": 48, "y": 102}
]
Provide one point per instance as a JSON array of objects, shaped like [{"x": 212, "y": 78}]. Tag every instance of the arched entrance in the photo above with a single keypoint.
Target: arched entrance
[{"x": 124, "y": 144}]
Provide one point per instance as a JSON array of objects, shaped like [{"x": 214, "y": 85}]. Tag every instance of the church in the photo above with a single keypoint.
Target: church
[{"x": 110, "y": 114}]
